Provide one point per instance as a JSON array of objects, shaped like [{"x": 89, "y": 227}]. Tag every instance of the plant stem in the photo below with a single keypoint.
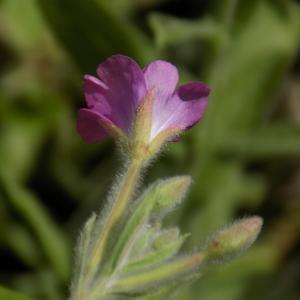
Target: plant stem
[{"x": 124, "y": 193}]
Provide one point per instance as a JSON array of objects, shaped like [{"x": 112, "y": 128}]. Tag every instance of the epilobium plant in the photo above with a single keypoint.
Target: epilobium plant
[{"x": 125, "y": 252}]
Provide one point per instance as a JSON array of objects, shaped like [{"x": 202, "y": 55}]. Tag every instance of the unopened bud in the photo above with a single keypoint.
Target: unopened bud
[
  {"x": 170, "y": 192},
  {"x": 234, "y": 239}
]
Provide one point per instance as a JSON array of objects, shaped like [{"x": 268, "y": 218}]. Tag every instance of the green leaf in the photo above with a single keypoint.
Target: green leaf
[
  {"x": 159, "y": 276},
  {"x": 267, "y": 142},
  {"x": 83, "y": 250},
  {"x": 169, "y": 193},
  {"x": 19, "y": 144},
  {"x": 169, "y": 30},
  {"x": 26, "y": 29},
  {"x": 143, "y": 240},
  {"x": 7, "y": 294},
  {"x": 164, "y": 247},
  {"x": 52, "y": 240},
  {"x": 160, "y": 198},
  {"x": 277, "y": 33},
  {"x": 96, "y": 41},
  {"x": 19, "y": 239},
  {"x": 171, "y": 289},
  {"x": 243, "y": 79}
]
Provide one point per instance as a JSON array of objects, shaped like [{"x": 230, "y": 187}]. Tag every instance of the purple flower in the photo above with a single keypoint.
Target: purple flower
[{"x": 114, "y": 100}]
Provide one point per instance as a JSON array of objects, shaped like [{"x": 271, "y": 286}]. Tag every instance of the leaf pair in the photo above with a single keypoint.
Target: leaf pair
[{"x": 141, "y": 261}]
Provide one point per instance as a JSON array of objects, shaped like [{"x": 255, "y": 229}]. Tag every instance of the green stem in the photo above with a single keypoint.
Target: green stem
[
  {"x": 124, "y": 194},
  {"x": 125, "y": 191}
]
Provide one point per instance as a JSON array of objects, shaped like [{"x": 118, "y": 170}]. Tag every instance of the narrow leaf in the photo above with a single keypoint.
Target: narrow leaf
[
  {"x": 163, "y": 248},
  {"x": 159, "y": 275},
  {"x": 159, "y": 197},
  {"x": 51, "y": 238},
  {"x": 7, "y": 294},
  {"x": 83, "y": 250}
]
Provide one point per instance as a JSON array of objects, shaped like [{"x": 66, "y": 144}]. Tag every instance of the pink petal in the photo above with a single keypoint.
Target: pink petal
[
  {"x": 94, "y": 91},
  {"x": 163, "y": 76},
  {"x": 89, "y": 127},
  {"x": 126, "y": 88},
  {"x": 182, "y": 110}
]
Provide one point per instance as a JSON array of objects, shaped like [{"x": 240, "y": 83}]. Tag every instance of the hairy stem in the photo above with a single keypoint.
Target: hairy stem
[
  {"x": 123, "y": 195},
  {"x": 126, "y": 189}
]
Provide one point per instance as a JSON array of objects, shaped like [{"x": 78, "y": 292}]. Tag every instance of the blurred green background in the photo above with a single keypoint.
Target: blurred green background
[{"x": 244, "y": 156}]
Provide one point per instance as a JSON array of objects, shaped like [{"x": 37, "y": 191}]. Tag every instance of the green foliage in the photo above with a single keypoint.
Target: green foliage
[
  {"x": 95, "y": 40},
  {"x": 240, "y": 157},
  {"x": 52, "y": 241},
  {"x": 11, "y": 295},
  {"x": 142, "y": 259}
]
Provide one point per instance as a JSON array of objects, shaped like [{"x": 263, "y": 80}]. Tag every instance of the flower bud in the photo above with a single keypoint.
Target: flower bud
[{"x": 234, "y": 239}]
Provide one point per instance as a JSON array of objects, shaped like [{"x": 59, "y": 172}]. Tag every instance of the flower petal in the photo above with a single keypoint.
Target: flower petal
[
  {"x": 88, "y": 126},
  {"x": 182, "y": 110},
  {"x": 94, "y": 91},
  {"x": 126, "y": 88},
  {"x": 163, "y": 76}
]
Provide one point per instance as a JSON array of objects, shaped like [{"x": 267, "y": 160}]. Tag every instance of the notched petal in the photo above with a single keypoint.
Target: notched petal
[
  {"x": 114, "y": 101},
  {"x": 125, "y": 77},
  {"x": 163, "y": 76},
  {"x": 94, "y": 91},
  {"x": 193, "y": 91},
  {"x": 126, "y": 88},
  {"x": 182, "y": 110},
  {"x": 191, "y": 100}
]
